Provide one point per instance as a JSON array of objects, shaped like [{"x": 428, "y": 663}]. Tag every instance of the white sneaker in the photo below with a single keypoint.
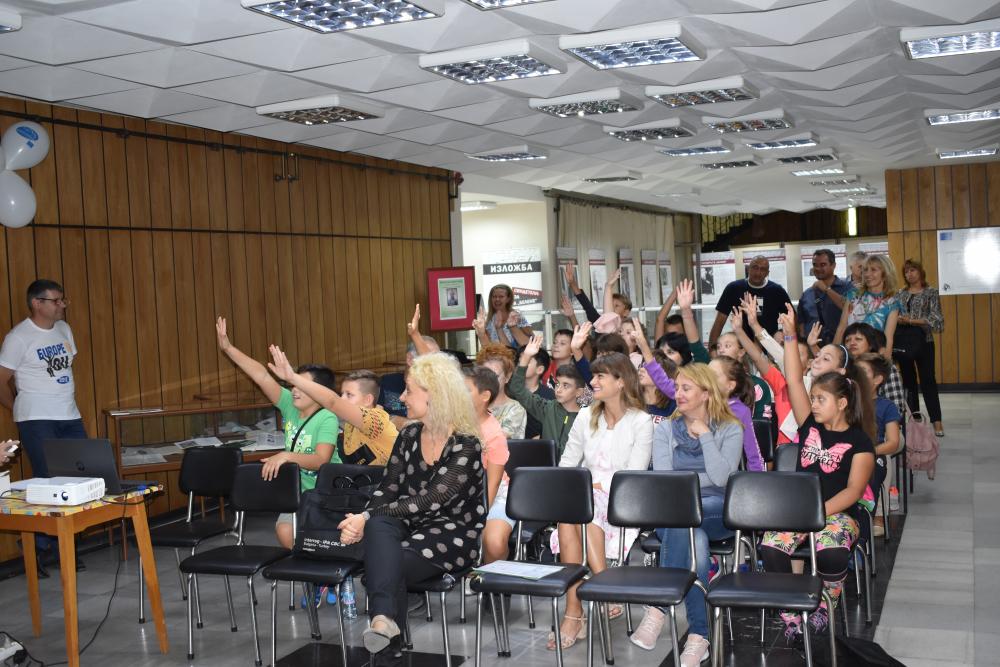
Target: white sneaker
[
  {"x": 695, "y": 651},
  {"x": 646, "y": 634}
]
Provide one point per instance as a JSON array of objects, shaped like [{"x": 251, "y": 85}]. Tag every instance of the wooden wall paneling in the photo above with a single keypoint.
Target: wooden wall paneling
[
  {"x": 264, "y": 191},
  {"x": 926, "y": 201},
  {"x": 256, "y": 291},
  {"x": 74, "y": 248},
  {"x": 324, "y": 214},
  {"x": 93, "y": 186},
  {"x": 48, "y": 253},
  {"x": 965, "y": 323},
  {"x": 960, "y": 195},
  {"x": 60, "y": 199},
  {"x": 188, "y": 341},
  {"x": 424, "y": 214},
  {"x": 249, "y": 184},
  {"x": 911, "y": 249},
  {"x": 948, "y": 370},
  {"x": 373, "y": 316},
  {"x": 893, "y": 193},
  {"x": 332, "y": 326},
  {"x": 296, "y": 212},
  {"x": 977, "y": 195},
  {"x": 361, "y": 312},
  {"x": 404, "y": 304},
  {"x": 441, "y": 203},
  {"x": 348, "y": 195},
  {"x": 273, "y": 324},
  {"x": 316, "y": 299},
  {"x": 380, "y": 192},
  {"x": 944, "y": 214},
  {"x": 158, "y": 170},
  {"x": 137, "y": 173},
  {"x": 20, "y": 269},
  {"x": 378, "y": 200},
  {"x": 307, "y": 189},
  {"x": 363, "y": 225},
  {"x": 217, "y": 201},
  {"x": 286, "y": 289},
  {"x": 222, "y": 299},
  {"x": 115, "y": 174},
  {"x": 10, "y": 314},
  {"x": 103, "y": 344},
  {"x": 177, "y": 179},
  {"x": 387, "y": 317},
  {"x": 338, "y": 211},
  {"x": 239, "y": 304},
  {"x": 234, "y": 173},
  {"x": 42, "y": 178},
  {"x": 197, "y": 163},
  {"x": 396, "y": 313},
  {"x": 346, "y": 307},
  {"x": 995, "y": 305},
  {"x": 124, "y": 318},
  {"x": 299, "y": 297},
  {"x": 209, "y": 357},
  {"x": 927, "y": 255},
  {"x": 399, "y": 185},
  {"x": 993, "y": 193},
  {"x": 281, "y": 201},
  {"x": 985, "y": 339},
  {"x": 910, "y": 200},
  {"x": 147, "y": 329}
]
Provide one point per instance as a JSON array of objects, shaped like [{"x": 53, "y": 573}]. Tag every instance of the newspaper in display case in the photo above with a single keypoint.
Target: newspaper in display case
[
  {"x": 650, "y": 280},
  {"x": 598, "y": 276}
]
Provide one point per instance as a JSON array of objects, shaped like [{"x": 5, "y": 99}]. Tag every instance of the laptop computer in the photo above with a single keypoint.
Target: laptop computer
[{"x": 87, "y": 458}]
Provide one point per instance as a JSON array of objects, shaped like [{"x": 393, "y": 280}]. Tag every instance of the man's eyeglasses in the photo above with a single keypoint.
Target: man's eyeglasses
[{"x": 61, "y": 301}]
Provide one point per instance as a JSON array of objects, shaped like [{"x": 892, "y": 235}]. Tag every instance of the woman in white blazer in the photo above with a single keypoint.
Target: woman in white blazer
[{"x": 614, "y": 433}]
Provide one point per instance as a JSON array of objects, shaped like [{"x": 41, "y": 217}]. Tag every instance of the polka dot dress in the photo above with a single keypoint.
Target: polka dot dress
[{"x": 441, "y": 503}]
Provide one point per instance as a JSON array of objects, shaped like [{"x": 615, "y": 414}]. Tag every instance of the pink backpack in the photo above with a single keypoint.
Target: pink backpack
[{"x": 922, "y": 446}]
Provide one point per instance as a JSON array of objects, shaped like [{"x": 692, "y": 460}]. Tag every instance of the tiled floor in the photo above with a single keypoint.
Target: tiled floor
[{"x": 941, "y": 604}]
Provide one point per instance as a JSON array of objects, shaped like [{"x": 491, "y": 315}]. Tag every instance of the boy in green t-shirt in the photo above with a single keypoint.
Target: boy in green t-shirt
[{"x": 310, "y": 429}]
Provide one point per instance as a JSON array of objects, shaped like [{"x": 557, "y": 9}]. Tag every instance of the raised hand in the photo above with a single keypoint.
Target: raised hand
[
  {"x": 787, "y": 320},
  {"x": 685, "y": 294},
  {"x": 736, "y": 318},
  {"x": 638, "y": 336},
  {"x": 533, "y": 345},
  {"x": 570, "y": 276},
  {"x": 279, "y": 364},
  {"x": 580, "y": 334},
  {"x": 513, "y": 318},
  {"x": 413, "y": 326},
  {"x": 220, "y": 332},
  {"x": 479, "y": 324},
  {"x": 748, "y": 304},
  {"x": 566, "y": 308},
  {"x": 614, "y": 277},
  {"x": 814, "y": 333}
]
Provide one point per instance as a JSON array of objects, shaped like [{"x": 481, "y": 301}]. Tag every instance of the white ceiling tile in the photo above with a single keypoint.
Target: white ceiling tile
[
  {"x": 57, "y": 41},
  {"x": 54, "y": 84},
  {"x": 257, "y": 89},
  {"x": 291, "y": 49},
  {"x": 6, "y": 63},
  {"x": 145, "y": 102},
  {"x": 369, "y": 75},
  {"x": 224, "y": 118},
  {"x": 166, "y": 68}
]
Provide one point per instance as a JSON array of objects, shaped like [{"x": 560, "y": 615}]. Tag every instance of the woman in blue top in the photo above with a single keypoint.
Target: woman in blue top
[
  {"x": 502, "y": 324},
  {"x": 877, "y": 304},
  {"x": 702, "y": 435}
]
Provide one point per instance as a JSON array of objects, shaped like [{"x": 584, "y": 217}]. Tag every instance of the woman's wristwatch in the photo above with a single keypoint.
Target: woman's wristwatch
[{"x": 366, "y": 515}]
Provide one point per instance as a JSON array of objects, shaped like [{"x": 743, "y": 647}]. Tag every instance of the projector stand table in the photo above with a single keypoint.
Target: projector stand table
[{"x": 66, "y": 522}]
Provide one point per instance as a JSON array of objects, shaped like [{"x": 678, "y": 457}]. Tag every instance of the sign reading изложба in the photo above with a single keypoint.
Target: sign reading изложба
[{"x": 518, "y": 268}]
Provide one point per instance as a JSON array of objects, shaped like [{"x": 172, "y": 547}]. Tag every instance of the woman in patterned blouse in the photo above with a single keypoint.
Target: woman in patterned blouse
[
  {"x": 876, "y": 304},
  {"x": 921, "y": 306},
  {"x": 426, "y": 516}
]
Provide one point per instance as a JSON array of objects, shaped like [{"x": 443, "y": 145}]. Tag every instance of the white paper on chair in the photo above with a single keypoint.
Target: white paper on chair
[{"x": 512, "y": 568}]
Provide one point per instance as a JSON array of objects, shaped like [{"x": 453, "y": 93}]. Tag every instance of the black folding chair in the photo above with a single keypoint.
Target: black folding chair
[
  {"x": 765, "y": 438},
  {"x": 250, "y": 493},
  {"x": 559, "y": 495},
  {"x": 647, "y": 499},
  {"x": 784, "y": 501},
  {"x": 205, "y": 472}
]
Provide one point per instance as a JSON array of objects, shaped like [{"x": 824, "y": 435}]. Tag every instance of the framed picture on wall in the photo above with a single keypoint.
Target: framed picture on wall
[{"x": 452, "y": 295}]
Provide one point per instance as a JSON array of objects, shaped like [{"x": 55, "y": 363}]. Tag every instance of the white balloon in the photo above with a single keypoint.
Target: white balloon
[
  {"x": 17, "y": 200},
  {"x": 25, "y": 144}
]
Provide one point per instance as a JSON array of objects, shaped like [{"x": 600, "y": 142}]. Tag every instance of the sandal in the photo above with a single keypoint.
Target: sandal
[
  {"x": 615, "y": 611},
  {"x": 568, "y": 640},
  {"x": 378, "y": 639}
]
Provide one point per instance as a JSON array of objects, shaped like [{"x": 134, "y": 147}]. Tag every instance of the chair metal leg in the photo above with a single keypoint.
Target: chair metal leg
[
  {"x": 479, "y": 628},
  {"x": 190, "y": 630},
  {"x": 718, "y": 649},
  {"x": 274, "y": 622},
  {"x": 343, "y": 634},
  {"x": 407, "y": 639},
  {"x": 291, "y": 596},
  {"x": 531, "y": 613},
  {"x": 857, "y": 575},
  {"x": 609, "y": 650},
  {"x": 504, "y": 628},
  {"x": 590, "y": 635},
  {"x": 843, "y": 612},
  {"x": 197, "y": 603},
  {"x": 309, "y": 590},
  {"x": 805, "y": 638},
  {"x": 868, "y": 589},
  {"x": 832, "y": 630},
  {"x": 673, "y": 636},
  {"x": 444, "y": 629},
  {"x": 142, "y": 586},
  {"x": 763, "y": 620},
  {"x": 729, "y": 622},
  {"x": 628, "y": 621},
  {"x": 461, "y": 614},
  {"x": 558, "y": 634},
  {"x": 496, "y": 625},
  {"x": 427, "y": 606},
  {"x": 253, "y": 621},
  {"x": 229, "y": 599},
  {"x": 180, "y": 575}
]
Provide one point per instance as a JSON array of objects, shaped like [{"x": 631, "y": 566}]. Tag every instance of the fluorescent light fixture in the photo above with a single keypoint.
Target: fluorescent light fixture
[
  {"x": 335, "y": 15},
  {"x": 9, "y": 21},
  {"x": 714, "y": 148},
  {"x": 510, "y": 154},
  {"x": 728, "y": 89},
  {"x": 500, "y": 61},
  {"x": 478, "y": 206},
  {"x": 321, "y": 110},
  {"x": 951, "y": 40},
  {"x": 672, "y": 128},
  {"x": 735, "y": 164},
  {"x": 606, "y": 100},
  {"x": 693, "y": 192},
  {"x": 616, "y": 178},
  {"x": 500, "y": 4},
  {"x": 650, "y": 44},
  {"x": 985, "y": 151},
  {"x": 799, "y": 159},
  {"x": 857, "y": 190},
  {"x": 755, "y": 122},
  {"x": 852, "y": 221},
  {"x": 826, "y": 171},
  {"x": 799, "y": 141},
  {"x": 939, "y": 117},
  {"x": 846, "y": 179}
]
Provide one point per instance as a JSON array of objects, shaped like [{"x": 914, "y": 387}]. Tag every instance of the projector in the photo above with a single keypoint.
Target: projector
[{"x": 65, "y": 491}]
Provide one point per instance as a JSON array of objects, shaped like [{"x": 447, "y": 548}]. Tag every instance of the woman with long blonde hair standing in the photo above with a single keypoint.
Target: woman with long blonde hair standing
[{"x": 877, "y": 303}]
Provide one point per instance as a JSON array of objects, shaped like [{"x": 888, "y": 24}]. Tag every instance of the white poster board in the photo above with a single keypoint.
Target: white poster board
[
  {"x": 876, "y": 248},
  {"x": 839, "y": 251},
  {"x": 598, "y": 276},
  {"x": 626, "y": 283},
  {"x": 666, "y": 276},
  {"x": 776, "y": 260},
  {"x": 650, "y": 280},
  {"x": 969, "y": 261},
  {"x": 521, "y": 269},
  {"x": 716, "y": 270},
  {"x": 564, "y": 257}
]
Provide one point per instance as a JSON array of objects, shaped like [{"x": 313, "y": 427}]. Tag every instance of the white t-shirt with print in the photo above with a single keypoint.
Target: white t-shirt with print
[{"x": 42, "y": 361}]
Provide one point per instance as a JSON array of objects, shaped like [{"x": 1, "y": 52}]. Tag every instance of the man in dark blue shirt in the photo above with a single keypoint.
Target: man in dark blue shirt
[
  {"x": 824, "y": 301},
  {"x": 771, "y": 299}
]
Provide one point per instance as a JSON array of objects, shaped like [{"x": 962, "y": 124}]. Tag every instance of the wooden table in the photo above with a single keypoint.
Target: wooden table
[{"x": 65, "y": 523}]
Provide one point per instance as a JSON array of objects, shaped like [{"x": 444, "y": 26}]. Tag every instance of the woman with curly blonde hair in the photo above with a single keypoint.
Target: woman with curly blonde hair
[
  {"x": 425, "y": 518},
  {"x": 512, "y": 417},
  {"x": 614, "y": 433}
]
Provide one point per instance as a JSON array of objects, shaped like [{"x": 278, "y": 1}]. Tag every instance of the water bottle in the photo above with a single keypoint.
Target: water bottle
[{"x": 348, "y": 606}]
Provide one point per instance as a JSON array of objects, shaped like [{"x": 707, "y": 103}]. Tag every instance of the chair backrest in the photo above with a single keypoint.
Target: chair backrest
[
  {"x": 332, "y": 474},
  {"x": 655, "y": 499},
  {"x": 765, "y": 437},
  {"x": 783, "y": 501},
  {"x": 560, "y": 495},
  {"x": 533, "y": 453},
  {"x": 252, "y": 493},
  {"x": 786, "y": 457},
  {"x": 209, "y": 471}
]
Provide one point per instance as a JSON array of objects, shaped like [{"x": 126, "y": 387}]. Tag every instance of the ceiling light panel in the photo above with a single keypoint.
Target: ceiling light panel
[
  {"x": 668, "y": 129},
  {"x": 985, "y": 151},
  {"x": 847, "y": 179},
  {"x": 598, "y": 102},
  {"x": 758, "y": 122},
  {"x": 500, "y": 4},
  {"x": 799, "y": 159},
  {"x": 934, "y": 42},
  {"x": 951, "y": 117},
  {"x": 320, "y": 110},
  {"x": 803, "y": 141},
  {"x": 480, "y": 205},
  {"x": 729, "y": 89},
  {"x": 651, "y": 44},
  {"x": 327, "y": 16},
  {"x": 735, "y": 164},
  {"x": 617, "y": 178},
  {"x": 828, "y": 171},
  {"x": 9, "y": 21},
  {"x": 501, "y": 61},
  {"x": 714, "y": 148},
  {"x": 509, "y": 154},
  {"x": 860, "y": 190}
]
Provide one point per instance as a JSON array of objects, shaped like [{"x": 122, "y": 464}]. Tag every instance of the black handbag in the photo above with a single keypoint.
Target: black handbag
[
  {"x": 907, "y": 342},
  {"x": 322, "y": 510}
]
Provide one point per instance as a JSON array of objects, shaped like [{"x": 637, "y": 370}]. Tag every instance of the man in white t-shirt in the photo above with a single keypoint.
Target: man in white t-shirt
[{"x": 38, "y": 354}]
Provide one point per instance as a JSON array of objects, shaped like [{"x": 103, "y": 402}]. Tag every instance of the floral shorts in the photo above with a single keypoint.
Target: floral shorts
[{"x": 840, "y": 532}]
